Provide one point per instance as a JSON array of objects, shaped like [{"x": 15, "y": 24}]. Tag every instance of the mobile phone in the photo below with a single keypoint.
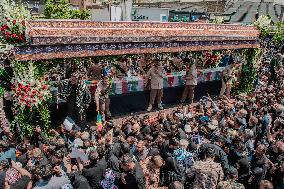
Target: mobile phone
[
  {"x": 73, "y": 161},
  {"x": 9, "y": 161}
]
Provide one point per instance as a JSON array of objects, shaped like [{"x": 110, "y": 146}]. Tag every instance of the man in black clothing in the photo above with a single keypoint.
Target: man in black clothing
[
  {"x": 78, "y": 181},
  {"x": 221, "y": 156},
  {"x": 168, "y": 147},
  {"x": 78, "y": 100},
  {"x": 135, "y": 132},
  {"x": 95, "y": 173},
  {"x": 259, "y": 166},
  {"x": 133, "y": 176},
  {"x": 71, "y": 99},
  {"x": 113, "y": 157},
  {"x": 274, "y": 66}
]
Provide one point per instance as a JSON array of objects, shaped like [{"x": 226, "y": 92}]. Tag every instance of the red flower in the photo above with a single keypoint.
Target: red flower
[
  {"x": 14, "y": 35},
  {"x": 14, "y": 22},
  {"x": 4, "y": 27},
  {"x": 7, "y": 34}
]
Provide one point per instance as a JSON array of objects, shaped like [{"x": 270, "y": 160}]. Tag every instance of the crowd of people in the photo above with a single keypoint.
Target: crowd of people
[{"x": 229, "y": 143}]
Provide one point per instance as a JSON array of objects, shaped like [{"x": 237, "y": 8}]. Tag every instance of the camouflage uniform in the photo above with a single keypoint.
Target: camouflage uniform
[
  {"x": 230, "y": 184},
  {"x": 207, "y": 174},
  {"x": 152, "y": 175}
]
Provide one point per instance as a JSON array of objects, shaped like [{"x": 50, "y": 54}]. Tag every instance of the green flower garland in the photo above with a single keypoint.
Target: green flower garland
[
  {"x": 248, "y": 73},
  {"x": 35, "y": 112}
]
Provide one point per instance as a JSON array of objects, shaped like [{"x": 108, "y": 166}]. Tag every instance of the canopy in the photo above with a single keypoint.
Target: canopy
[{"x": 75, "y": 38}]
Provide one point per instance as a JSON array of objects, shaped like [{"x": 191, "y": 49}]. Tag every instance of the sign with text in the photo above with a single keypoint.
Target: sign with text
[{"x": 150, "y": 14}]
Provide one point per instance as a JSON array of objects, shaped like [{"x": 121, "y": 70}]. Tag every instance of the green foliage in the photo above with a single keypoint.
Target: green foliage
[
  {"x": 1, "y": 92},
  {"x": 248, "y": 73},
  {"x": 13, "y": 11},
  {"x": 176, "y": 18},
  {"x": 278, "y": 36},
  {"x": 33, "y": 113},
  {"x": 60, "y": 9},
  {"x": 266, "y": 28},
  {"x": 12, "y": 22},
  {"x": 218, "y": 20},
  {"x": 80, "y": 14},
  {"x": 24, "y": 119},
  {"x": 263, "y": 23},
  {"x": 44, "y": 115}
]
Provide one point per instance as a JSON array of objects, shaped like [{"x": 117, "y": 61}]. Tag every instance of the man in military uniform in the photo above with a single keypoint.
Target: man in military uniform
[
  {"x": 227, "y": 80},
  {"x": 207, "y": 173},
  {"x": 190, "y": 80},
  {"x": 156, "y": 74},
  {"x": 102, "y": 97},
  {"x": 231, "y": 183}
]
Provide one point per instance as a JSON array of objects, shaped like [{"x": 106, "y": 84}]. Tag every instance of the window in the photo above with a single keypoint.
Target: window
[{"x": 36, "y": 4}]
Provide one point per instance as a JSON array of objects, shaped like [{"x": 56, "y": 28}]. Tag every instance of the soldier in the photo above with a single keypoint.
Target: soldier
[
  {"x": 102, "y": 97},
  {"x": 156, "y": 74},
  {"x": 206, "y": 173},
  {"x": 190, "y": 80},
  {"x": 231, "y": 183},
  {"x": 227, "y": 80}
]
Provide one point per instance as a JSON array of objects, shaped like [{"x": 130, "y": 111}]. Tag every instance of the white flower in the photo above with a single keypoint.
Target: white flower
[
  {"x": 263, "y": 22},
  {"x": 218, "y": 20},
  {"x": 13, "y": 11}
]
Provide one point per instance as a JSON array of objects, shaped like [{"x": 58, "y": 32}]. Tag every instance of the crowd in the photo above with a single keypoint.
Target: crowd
[{"x": 212, "y": 144}]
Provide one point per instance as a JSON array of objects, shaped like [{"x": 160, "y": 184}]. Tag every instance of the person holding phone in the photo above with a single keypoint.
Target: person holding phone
[{"x": 74, "y": 167}]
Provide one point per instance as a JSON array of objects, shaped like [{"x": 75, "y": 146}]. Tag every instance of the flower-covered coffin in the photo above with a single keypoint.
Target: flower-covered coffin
[{"x": 69, "y": 38}]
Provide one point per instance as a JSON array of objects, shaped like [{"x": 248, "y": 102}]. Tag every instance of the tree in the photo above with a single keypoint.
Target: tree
[{"x": 60, "y": 9}]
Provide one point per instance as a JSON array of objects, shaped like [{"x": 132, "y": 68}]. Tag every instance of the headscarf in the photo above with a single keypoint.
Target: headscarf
[
  {"x": 108, "y": 181},
  {"x": 183, "y": 157},
  {"x": 12, "y": 176}
]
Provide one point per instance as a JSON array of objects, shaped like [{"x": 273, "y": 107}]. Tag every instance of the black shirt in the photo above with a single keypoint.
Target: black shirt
[
  {"x": 78, "y": 181},
  {"x": 135, "y": 179},
  {"x": 2, "y": 179},
  {"x": 21, "y": 183},
  {"x": 95, "y": 174}
]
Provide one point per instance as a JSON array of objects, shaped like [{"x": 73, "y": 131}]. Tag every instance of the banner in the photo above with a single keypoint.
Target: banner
[{"x": 135, "y": 84}]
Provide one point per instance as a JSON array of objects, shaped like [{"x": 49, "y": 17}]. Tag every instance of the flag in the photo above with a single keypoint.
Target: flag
[{"x": 99, "y": 122}]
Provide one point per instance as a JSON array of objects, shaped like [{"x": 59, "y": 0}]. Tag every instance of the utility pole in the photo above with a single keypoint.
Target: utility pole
[
  {"x": 83, "y": 5},
  {"x": 126, "y": 6},
  {"x": 109, "y": 9}
]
